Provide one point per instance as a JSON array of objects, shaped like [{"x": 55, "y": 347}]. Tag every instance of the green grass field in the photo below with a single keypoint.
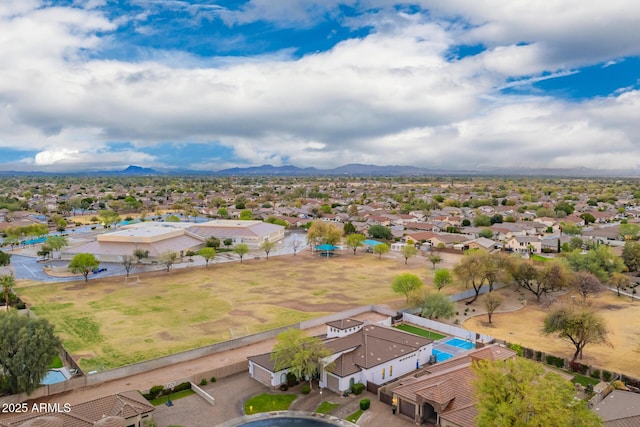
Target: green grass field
[
  {"x": 268, "y": 402},
  {"x": 419, "y": 331},
  {"x": 108, "y": 323}
]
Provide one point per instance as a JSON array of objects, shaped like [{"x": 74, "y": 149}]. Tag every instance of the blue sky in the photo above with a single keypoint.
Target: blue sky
[{"x": 211, "y": 84}]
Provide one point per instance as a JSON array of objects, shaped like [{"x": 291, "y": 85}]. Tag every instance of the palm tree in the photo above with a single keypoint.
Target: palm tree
[{"x": 8, "y": 282}]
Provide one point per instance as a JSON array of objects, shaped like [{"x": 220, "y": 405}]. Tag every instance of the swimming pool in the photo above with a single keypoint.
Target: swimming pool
[
  {"x": 460, "y": 343},
  {"x": 287, "y": 419},
  {"x": 441, "y": 356},
  {"x": 54, "y": 376}
]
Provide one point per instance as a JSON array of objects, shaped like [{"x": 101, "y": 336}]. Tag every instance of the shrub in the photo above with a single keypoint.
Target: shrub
[
  {"x": 595, "y": 374},
  {"x": 305, "y": 389},
  {"x": 155, "y": 391},
  {"x": 606, "y": 375},
  {"x": 213, "y": 380},
  {"x": 357, "y": 388},
  {"x": 291, "y": 379},
  {"x": 579, "y": 367},
  {"x": 182, "y": 386},
  {"x": 364, "y": 404},
  {"x": 284, "y": 387},
  {"x": 538, "y": 355},
  {"x": 555, "y": 361},
  {"x": 203, "y": 381},
  {"x": 517, "y": 348}
]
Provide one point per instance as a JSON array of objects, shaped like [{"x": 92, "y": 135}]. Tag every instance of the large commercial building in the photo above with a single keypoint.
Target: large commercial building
[{"x": 179, "y": 237}]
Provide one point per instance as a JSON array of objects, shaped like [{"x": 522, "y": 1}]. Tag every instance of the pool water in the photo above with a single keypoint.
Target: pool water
[
  {"x": 457, "y": 342},
  {"x": 52, "y": 377},
  {"x": 441, "y": 356},
  {"x": 289, "y": 421}
]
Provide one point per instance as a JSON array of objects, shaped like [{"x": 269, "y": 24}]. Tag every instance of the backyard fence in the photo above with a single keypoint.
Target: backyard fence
[
  {"x": 94, "y": 378},
  {"x": 456, "y": 331}
]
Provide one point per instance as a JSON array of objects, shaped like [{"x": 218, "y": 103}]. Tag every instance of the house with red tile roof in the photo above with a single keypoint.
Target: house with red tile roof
[
  {"x": 442, "y": 393},
  {"x": 130, "y": 406},
  {"x": 371, "y": 354}
]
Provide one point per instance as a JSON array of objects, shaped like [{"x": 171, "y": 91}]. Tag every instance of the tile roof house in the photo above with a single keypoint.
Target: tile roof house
[
  {"x": 361, "y": 353},
  {"x": 130, "y": 405},
  {"x": 442, "y": 394},
  {"x": 620, "y": 409}
]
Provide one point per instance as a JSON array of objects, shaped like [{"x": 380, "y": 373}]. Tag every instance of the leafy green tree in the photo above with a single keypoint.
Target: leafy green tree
[
  {"x": 578, "y": 325},
  {"x": 212, "y": 242},
  {"x": 321, "y": 233},
  {"x": 517, "y": 392},
  {"x": 140, "y": 254},
  {"x": 28, "y": 347},
  {"x": 241, "y": 249},
  {"x": 570, "y": 229},
  {"x": 128, "y": 261},
  {"x": 56, "y": 243},
  {"x": 497, "y": 219},
  {"x": 631, "y": 255},
  {"x": 487, "y": 233},
  {"x": 576, "y": 243},
  {"x": 491, "y": 302},
  {"x": 267, "y": 247},
  {"x": 277, "y": 221},
  {"x": 349, "y": 228},
  {"x": 354, "y": 241},
  {"x": 227, "y": 242},
  {"x": 405, "y": 284},
  {"x": 441, "y": 278},
  {"x": 301, "y": 354},
  {"x": 434, "y": 259},
  {"x": 5, "y": 258},
  {"x": 482, "y": 221},
  {"x": 381, "y": 250},
  {"x": 470, "y": 270},
  {"x": 540, "y": 281},
  {"x": 84, "y": 264},
  {"x": 565, "y": 207},
  {"x": 434, "y": 305},
  {"x": 45, "y": 251},
  {"x": 380, "y": 232},
  {"x": 600, "y": 262},
  {"x": 588, "y": 218},
  {"x": 223, "y": 213},
  {"x": 109, "y": 217},
  {"x": 8, "y": 282},
  {"x": 629, "y": 231},
  {"x": 619, "y": 280},
  {"x": 168, "y": 258},
  {"x": 208, "y": 253},
  {"x": 61, "y": 224},
  {"x": 172, "y": 218},
  {"x": 246, "y": 215},
  {"x": 408, "y": 251}
]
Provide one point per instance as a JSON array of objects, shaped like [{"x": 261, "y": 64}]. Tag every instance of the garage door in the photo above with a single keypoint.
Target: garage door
[
  {"x": 333, "y": 383},
  {"x": 408, "y": 409},
  {"x": 262, "y": 375}
]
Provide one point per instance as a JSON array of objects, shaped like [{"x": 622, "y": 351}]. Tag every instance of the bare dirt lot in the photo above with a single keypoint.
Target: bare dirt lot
[
  {"x": 107, "y": 323},
  {"x": 524, "y": 327}
]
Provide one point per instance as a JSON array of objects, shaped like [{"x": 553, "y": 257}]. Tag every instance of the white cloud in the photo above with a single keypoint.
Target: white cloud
[{"x": 391, "y": 97}]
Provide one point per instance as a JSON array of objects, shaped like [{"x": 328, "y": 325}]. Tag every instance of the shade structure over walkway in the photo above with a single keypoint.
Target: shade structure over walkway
[
  {"x": 326, "y": 247},
  {"x": 370, "y": 242}
]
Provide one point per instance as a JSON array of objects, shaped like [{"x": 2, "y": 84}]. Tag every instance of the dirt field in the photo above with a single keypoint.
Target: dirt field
[
  {"x": 523, "y": 327},
  {"x": 107, "y": 323}
]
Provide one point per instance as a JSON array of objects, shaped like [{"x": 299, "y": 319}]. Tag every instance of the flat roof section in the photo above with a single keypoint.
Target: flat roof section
[{"x": 148, "y": 234}]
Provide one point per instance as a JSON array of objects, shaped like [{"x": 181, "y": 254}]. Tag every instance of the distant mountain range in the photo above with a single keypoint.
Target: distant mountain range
[{"x": 353, "y": 169}]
